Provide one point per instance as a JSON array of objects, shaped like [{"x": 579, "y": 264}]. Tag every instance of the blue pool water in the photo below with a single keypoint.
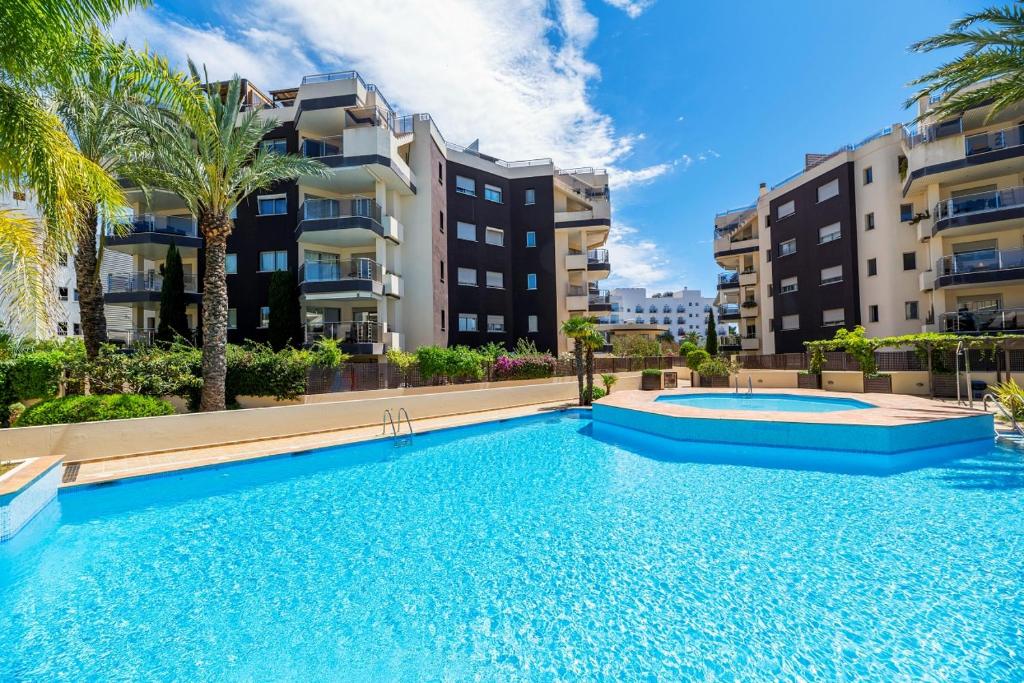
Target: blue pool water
[
  {"x": 526, "y": 550},
  {"x": 786, "y": 403}
]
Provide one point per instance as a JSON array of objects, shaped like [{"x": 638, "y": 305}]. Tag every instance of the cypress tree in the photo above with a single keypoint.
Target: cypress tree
[
  {"x": 284, "y": 310},
  {"x": 173, "y": 320},
  {"x": 711, "y": 339}
]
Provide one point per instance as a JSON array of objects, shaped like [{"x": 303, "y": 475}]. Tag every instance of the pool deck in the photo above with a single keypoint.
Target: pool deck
[
  {"x": 890, "y": 410},
  {"x": 125, "y": 467}
]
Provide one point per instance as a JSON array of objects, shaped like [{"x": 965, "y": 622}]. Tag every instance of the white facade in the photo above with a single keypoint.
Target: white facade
[{"x": 683, "y": 311}]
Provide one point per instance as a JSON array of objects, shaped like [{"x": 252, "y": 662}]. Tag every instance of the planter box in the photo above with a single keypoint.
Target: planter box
[
  {"x": 714, "y": 382},
  {"x": 806, "y": 381},
  {"x": 878, "y": 385},
  {"x": 650, "y": 382}
]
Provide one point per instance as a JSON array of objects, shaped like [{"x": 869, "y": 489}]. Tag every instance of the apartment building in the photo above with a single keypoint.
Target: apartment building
[
  {"x": 681, "y": 312},
  {"x": 912, "y": 229},
  {"x": 409, "y": 241}
]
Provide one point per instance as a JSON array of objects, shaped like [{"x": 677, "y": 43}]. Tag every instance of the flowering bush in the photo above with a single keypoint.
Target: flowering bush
[{"x": 533, "y": 366}]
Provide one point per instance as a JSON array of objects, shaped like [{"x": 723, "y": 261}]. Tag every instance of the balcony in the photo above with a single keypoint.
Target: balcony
[
  {"x": 359, "y": 337},
  {"x": 144, "y": 287},
  {"x": 598, "y": 264},
  {"x": 977, "y": 267},
  {"x": 729, "y": 312},
  {"x": 944, "y": 158},
  {"x": 598, "y": 217},
  {"x": 729, "y": 342},
  {"x": 576, "y": 297},
  {"x": 749, "y": 309},
  {"x": 978, "y": 320},
  {"x": 748, "y": 276},
  {"x": 321, "y": 148},
  {"x": 728, "y": 280},
  {"x": 148, "y": 235},
  {"x": 344, "y": 222},
  {"x": 599, "y": 302},
  {"x": 979, "y": 209},
  {"x": 355, "y": 278},
  {"x": 750, "y": 342}
]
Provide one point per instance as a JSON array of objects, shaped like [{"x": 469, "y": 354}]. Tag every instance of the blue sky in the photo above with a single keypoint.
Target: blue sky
[{"x": 690, "y": 105}]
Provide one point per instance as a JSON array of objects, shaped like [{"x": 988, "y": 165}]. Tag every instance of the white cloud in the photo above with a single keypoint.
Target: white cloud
[
  {"x": 639, "y": 262},
  {"x": 633, "y": 8}
]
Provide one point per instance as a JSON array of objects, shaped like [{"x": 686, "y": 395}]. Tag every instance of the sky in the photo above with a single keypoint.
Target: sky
[{"x": 689, "y": 105}]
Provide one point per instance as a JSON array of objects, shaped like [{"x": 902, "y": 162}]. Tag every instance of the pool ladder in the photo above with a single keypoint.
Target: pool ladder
[
  {"x": 1006, "y": 413},
  {"x": 750, "y": 385},
  {"x": 396, "y": 430}
]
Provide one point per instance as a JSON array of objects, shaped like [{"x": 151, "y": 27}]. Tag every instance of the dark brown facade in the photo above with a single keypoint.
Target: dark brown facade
[{"x": 813, "y": 298}]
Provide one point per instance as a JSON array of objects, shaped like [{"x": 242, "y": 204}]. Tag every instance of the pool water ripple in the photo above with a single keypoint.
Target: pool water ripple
[{"x": 530, "y": 551}]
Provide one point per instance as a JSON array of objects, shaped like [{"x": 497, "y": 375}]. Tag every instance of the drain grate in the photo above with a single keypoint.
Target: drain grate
[{"x": 70, "y": 473}]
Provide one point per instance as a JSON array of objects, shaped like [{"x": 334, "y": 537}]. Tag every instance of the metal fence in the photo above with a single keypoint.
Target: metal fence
[
  {"x": 372, "y": 376},
  {"x": 887, "y": 361}
]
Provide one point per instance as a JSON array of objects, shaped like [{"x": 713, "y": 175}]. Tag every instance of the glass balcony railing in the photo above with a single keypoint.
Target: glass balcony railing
[
  {"x": 345, "y": 331},
  {"x": 981, "y": 261},
  {"x": 360, "y": 207},
  {"x": 146, "y": 281},
  {"x": 729, "y": 340},
  {"x": 993, "y": 140},
  {"x": 577, "y": 290},
  {"x": 979, "y": 319},
  {"x": 599, "y": 299},
  {"x": 342, "y": 269},
  {"x": 597, "y": 256},
  {"x": 184, "y": 226},
  {"x": 977, "y": 203},
  {"x": 729, "y": 309},
  {"x": 728, "y": 278}
]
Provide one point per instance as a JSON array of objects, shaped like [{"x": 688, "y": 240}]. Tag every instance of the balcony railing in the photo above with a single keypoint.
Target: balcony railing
[
  {"x": 601, "y": 299},
  {"x": 981, "y": 261},
  {"x": 316, "y": 148},
  {"x": 151, "y": 223},
  {"x": 346, "y": 332},
  {"x": 343, "y": 269},
  {"x": 333, "y": 76},
  {"x": 729, "y": 340},
  {"x": 132, "y": 336},
  {"x": 361, "y": 207},
  {"x": 728, "y": 278},
  {"x": 597, "y": 256},
  {"x": 148, "y": 281},
  {"x": 993, "y": 140},
  {"x": 982, "y": 320},
  {"x": 577, "y": 290},
  {"x": 729, "y": 309},
  {"x": 749, "y": 303},
  {"x": 977, "y": 203}
]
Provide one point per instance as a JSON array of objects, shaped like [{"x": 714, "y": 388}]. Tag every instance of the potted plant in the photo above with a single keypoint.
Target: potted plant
[
  {"x": 650, "y": 380},
  {"x": 811, "y": 379},
  {"x": 714, "y": 372}
]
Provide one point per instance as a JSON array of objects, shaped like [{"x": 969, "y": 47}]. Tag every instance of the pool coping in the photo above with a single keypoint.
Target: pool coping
[{"x": 25, "y": 473}]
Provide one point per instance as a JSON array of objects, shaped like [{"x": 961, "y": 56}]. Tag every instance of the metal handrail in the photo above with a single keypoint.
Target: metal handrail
[
  {"x": 1008, "y": 414},
  {"x": 388, "y": 418},
  {"x": 408, "y": 422}
]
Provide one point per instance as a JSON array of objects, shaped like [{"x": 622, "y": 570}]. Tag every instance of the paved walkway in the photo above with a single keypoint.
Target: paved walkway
[{"x": 109, "y": 469}]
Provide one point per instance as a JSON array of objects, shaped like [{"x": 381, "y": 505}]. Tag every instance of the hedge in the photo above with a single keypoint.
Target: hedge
[
  {"x": 694, "y": 359},
  {"x": 93, "y": 408},
  {"x": 524, "y": 367}
]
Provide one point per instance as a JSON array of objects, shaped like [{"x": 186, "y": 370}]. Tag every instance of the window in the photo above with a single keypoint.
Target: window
[
  {"x": 768, "y": 255},
  {"x": 495, "y": 280},
  {"x": 829, "y": 233},
  {"x": 788, "y": 284},
  {"x": 530, "y": 197},
  {"x": 466, "y": 186},
  {"x": 495, "y": 323},
  {"x": 442, "y": 269},
  {"x": 787, "y": 209},
  {"x": 77, "y": 327},
  {"x": 833, "y": 317},
  {"x": 440, "y": 174},
  {"x": 443, "y": 320},
  {"x": 869, "y": 176},
  {"x": 495, "y": 236},
  {"x": 791, "y": 322},
  {"x": 828, "y": 190},
  {"x": 872, "y": 267},
  {"x": 466, "y": 231},
  {"x": 62, "y": 329},
  {"x": 230, "y": 264},
  {"x": 873, "y": 313},
  {"x": 273, "y": 260},
  {"x": 232, "y": 318},
  {"x": 906, "y": 212},
  {"x": 788, "y": 247},
  {"x": 467, "y": 276},
  {"x": 531, "y": 280},
  {"x": 771, "y": 324},
  {"x": 531, "y": 238},
  {"x": 869, "y": 221},
  {"x": 909, "y": 260},
  {"x": 492, "y": 194},
  {"x": 910, "y": 308},
  {"x": 531, "y": 323},
  {"x": 274, "y": 205},
  {"x": 62, "y": 293},
  {"x": 770, "y": 288},
  {"x": 264, "y": 316},
  {"x": 441, "y": 223},
  {"x": 467, "y": 322},
  {"x": 279, "y": 146},
  {"x": 76, "y": 295},
  {"x": 831, "y": 275}
]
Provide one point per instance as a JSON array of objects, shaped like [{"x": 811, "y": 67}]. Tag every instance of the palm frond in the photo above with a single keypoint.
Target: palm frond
[{"x": 25, "y": 291}]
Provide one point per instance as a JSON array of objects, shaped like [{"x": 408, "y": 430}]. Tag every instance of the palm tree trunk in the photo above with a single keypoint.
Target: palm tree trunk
[
  {"x": 90, "y": 288},
  {"x": 589, "y": 395},
  {"x": 215, "y": 230},
  {"x": 578, "y": 351}
]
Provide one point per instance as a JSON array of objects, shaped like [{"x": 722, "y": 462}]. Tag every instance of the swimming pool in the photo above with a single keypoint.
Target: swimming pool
[
  {"x": 523, "y": 549},
  {"x": 787, "y": 403}
]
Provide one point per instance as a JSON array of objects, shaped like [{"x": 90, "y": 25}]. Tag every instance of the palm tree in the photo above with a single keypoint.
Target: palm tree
[
  {"x": 592, "y": 341},
  {"x": 993, "y": 59},
  {"x": 203, "y": 150},
  {"x": 577, "y": 328},
  {"x": 47, "y": 39}
]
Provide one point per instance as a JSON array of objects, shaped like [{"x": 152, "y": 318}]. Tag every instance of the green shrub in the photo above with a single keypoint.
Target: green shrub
[
  {"x": 713, "y": 367},
  {"x": 635, "y": 346},
  {"x": 456, "y": 362},
  {"x": 651, "y": 372},
  {"x": 608, "y": 380},
  {"x": 686, "y": 348},
  {"x": 36, "y": 374},
  {"x": 598, "y": 393},
  {"x": 93, "y": 408},
  {"x": 1011, "y": 395},
  {"x": 696, "y": 357}
]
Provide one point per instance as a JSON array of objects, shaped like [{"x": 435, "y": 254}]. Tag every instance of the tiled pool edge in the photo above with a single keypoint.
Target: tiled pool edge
[
  {"x": 24, "y": 495},
  {"x": 875, "y": 439}
]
